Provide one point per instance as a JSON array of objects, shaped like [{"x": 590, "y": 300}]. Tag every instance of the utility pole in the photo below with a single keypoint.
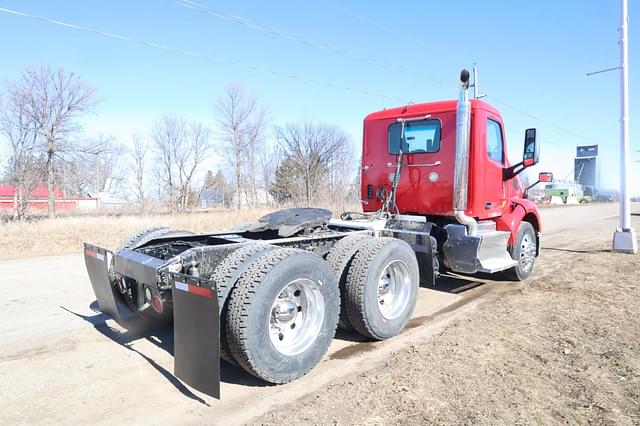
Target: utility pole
[{"x": 624, "y": 239}]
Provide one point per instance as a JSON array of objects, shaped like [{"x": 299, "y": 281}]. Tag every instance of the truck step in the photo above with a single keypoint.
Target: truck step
[
  {"x": 486, "y": 226},
  {"x": 492, "y": 253}
]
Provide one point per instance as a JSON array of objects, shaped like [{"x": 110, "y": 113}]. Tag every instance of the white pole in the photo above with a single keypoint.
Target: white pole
[
  {"x": 624, "y": 240},
  {"x": 625, "y": 213}
]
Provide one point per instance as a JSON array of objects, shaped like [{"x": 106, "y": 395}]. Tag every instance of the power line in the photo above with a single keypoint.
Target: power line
[
  {"x": 418, "y": 41},
  {"x": 548, "y": 123},
  {"x": 376, "y": 24},
  {"x": 192, "y": 53},
  {"x": 277, "y": 32},
  {"x": 565, "y": 146}
]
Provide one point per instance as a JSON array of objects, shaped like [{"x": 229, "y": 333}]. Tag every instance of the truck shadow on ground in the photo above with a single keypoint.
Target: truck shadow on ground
[
  {"x": 161, "y": 337},
  {"x": 576, "y": 251},
  {"x": 447, "y": 283}
]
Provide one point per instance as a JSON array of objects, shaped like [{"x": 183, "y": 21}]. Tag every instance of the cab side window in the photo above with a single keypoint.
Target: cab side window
[{"x": 494, "y": 141}]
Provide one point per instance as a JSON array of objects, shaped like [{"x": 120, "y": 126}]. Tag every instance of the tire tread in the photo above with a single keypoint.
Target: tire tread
[
  {"x": 226, "y": 276},
  {"x": 240, "y": 301},
  {"x": 340, "y": 259},
  {"x": 356, "y": 282}
]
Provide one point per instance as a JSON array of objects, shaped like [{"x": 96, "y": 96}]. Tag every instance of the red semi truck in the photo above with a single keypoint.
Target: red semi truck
[{"x": 438, "y": 194}]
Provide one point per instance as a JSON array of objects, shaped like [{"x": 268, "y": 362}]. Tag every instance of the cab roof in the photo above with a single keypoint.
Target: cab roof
[{"x": 412, "y": 110}]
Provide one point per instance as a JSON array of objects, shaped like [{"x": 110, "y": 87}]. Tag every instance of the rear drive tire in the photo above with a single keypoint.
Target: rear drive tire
[
  {"x": 226, "y": 276},
  {"x": 283, "y": 314},
  {"x": 382, "y": 288},
  {"x": 524, "y": 252},
  {"x": 339, "y": 260}
]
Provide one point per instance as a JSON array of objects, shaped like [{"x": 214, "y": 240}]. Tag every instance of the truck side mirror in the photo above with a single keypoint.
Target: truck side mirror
[
  {"x": 545, "y": 177},
  {"x": 531, "y": 154},
  {"x": 530, "y": 157}
]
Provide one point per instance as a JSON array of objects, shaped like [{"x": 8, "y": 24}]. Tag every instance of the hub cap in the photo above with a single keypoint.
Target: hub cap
[
  {"x": 394, "y": 289},
  {"x": 296, "y": 317},
  {"x": 527, "y": 252}
]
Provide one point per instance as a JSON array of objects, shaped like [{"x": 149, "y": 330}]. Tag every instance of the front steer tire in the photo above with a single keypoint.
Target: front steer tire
[
  {"x": 255, "y": 304},
  {"x": 524, "y": 252},
  {"x": 382, "y": 261}
]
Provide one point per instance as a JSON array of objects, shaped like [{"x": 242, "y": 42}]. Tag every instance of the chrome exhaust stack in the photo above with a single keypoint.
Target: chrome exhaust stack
[{"x": 461, "y": 173}]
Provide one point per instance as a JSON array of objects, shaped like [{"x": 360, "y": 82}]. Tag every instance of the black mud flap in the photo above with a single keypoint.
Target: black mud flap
[
  {"x": 196, "y": 333},
  {"x": 98, "y": 261}
]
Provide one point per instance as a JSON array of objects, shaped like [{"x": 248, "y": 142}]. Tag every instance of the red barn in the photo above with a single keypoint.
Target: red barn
[{"x": 38, "y": 199}]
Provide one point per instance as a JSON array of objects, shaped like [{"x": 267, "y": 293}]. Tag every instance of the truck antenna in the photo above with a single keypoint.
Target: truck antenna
[{"x": 476, "y": 84}]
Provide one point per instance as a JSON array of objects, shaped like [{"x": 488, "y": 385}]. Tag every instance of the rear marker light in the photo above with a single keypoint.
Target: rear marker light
[{"x": 95, "y": 254}]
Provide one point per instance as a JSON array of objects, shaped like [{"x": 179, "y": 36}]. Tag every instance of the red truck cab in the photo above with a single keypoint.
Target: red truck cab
[{"x": 438, "y": 166}]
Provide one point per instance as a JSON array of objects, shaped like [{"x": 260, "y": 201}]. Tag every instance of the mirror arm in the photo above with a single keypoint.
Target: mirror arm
[
  {"x": 511, "y": 172},
  {"x": 526, "y": 191}
]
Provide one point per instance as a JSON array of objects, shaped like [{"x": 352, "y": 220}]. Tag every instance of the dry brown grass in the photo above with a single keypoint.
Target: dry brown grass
[{"x": 65, "y": 235}]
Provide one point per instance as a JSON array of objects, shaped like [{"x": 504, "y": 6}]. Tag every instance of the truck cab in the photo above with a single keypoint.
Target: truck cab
[
  {"x": 427, "y": 186},
  {"x": 448, "y": 162}
]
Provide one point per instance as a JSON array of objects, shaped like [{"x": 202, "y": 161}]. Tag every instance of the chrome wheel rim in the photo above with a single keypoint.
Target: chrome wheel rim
[
  {"x": 296, "y": 316},
  {"x": 527, "y": 252},
  {"x": 394, "y": 289}
]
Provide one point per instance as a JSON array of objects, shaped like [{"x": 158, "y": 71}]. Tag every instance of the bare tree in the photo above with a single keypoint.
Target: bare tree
[
  {"x": 52, "y": 100},
  {"x": 189, "y": 157},
  {"x": 167, "y": 133},
  {"x": 269, "y": 157},
  {"x": 96, "y": 165},
  {"x": 241, "y": 124},
  {"x": 181, "y": 147},
  {"x": 310, "y": 150},
  {"x": 139, "y": 158},
  {"x": 24, "y": 164}
]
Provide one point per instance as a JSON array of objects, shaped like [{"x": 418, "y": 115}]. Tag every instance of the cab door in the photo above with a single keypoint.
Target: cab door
[{"x": 494, "y": 199}]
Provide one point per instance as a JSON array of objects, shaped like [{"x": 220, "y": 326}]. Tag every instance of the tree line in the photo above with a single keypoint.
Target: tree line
[{"x": 305, "y": 163}]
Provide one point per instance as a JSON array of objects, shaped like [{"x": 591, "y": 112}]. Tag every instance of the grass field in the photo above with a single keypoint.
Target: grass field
[{"x": 65, "y": 235}]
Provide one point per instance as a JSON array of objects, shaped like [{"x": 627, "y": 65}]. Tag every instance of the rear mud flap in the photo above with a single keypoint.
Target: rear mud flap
[
  {"x": 98, "y": 261},
  {"x": 196, "y": 333}
]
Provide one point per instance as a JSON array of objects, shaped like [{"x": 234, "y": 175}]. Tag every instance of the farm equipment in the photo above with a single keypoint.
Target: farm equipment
[{"x": 438, "y": 194}]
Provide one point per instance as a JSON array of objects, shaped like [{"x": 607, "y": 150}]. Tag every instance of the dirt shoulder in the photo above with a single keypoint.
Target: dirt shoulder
[{"x": 563, "y": 349}]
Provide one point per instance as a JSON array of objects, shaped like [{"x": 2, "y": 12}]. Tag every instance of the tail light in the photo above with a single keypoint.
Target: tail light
[{"x": 156, "y": 304}]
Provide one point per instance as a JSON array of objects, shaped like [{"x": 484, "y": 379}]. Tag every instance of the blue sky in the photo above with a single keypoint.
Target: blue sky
[{"x": 531, "y": 55}]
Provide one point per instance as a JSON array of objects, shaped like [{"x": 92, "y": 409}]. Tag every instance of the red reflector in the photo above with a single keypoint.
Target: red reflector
[
  {"x": 194, "y": 289},
  {"x": 201, "y": 291},
  {"x": 90, "y": 253},
  {"x": 157, "y": 305}
]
